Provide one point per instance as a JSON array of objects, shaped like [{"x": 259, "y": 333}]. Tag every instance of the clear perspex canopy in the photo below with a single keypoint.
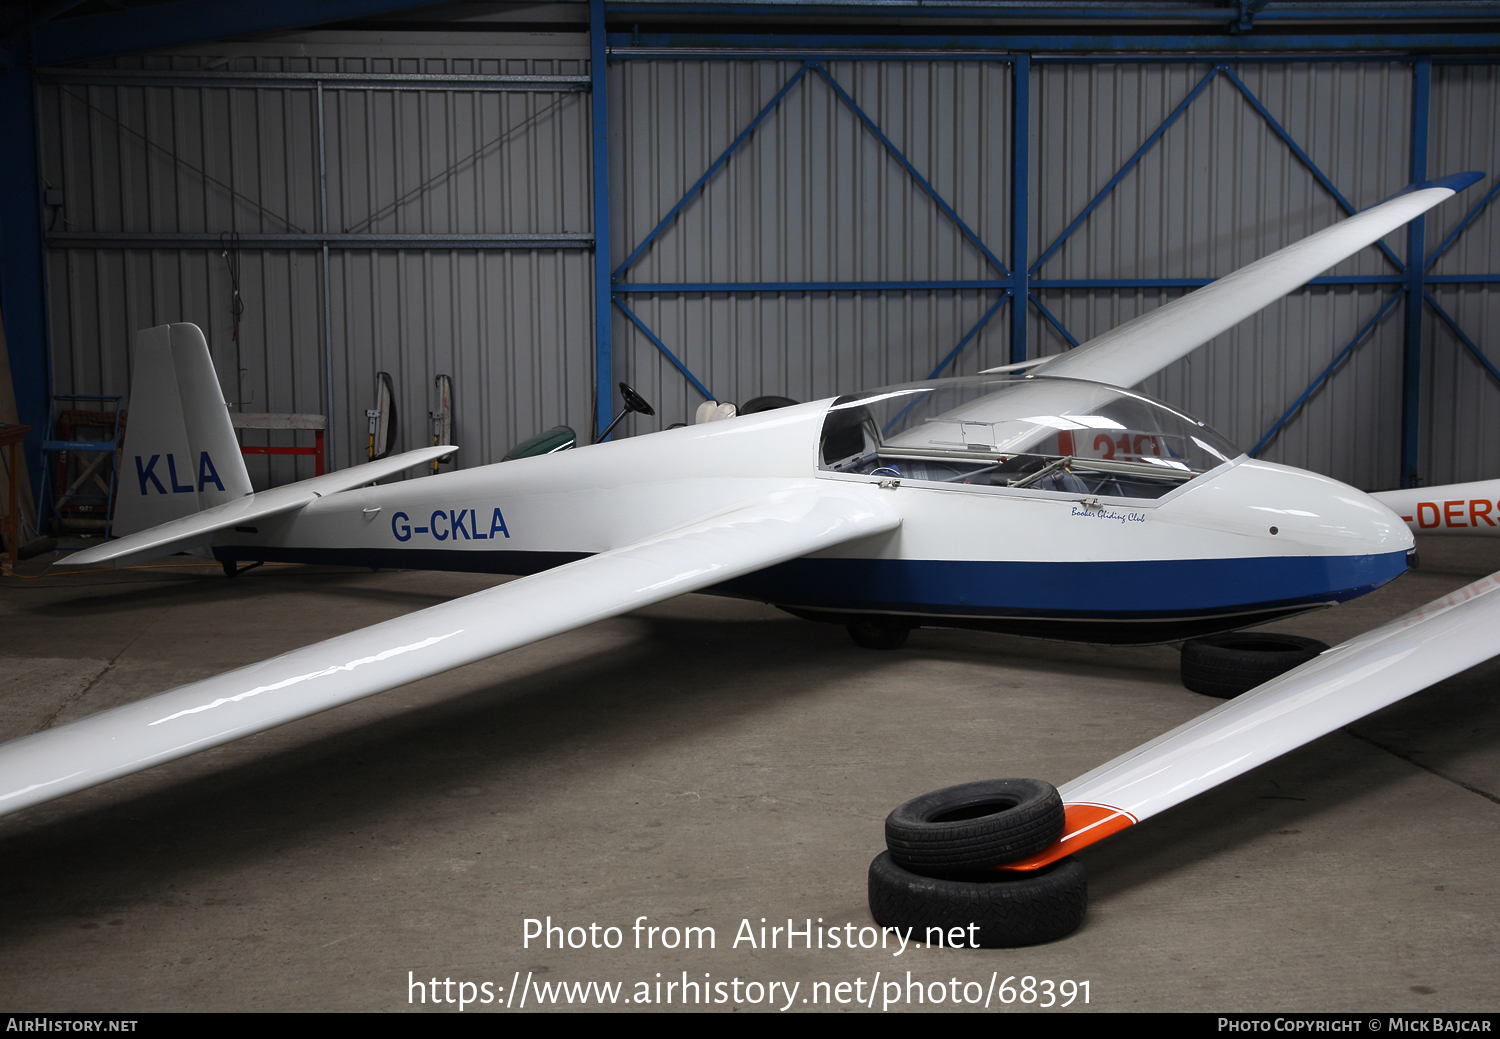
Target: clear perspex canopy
[{"x": 1048, "y": 434}]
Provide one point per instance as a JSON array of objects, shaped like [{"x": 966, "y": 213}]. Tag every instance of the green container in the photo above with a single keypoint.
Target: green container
[{"x": 558, "y": 438}]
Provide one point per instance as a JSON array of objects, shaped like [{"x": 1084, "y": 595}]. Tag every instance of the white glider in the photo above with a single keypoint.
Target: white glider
[{"x": 1060, "y": 503}]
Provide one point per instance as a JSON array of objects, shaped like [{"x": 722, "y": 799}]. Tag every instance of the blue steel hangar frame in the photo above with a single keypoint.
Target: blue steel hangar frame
[
  {"x": 1410, "y": 279},
  {"x": 1213, "y": 33}
]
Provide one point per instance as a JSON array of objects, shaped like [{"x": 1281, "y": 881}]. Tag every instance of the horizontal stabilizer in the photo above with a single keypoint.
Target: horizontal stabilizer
[
  {"x": 1342, "y": 685},
  {"x": 205, "y": 714},
  {"x": 1143, "y": 346},
  {"x": 194, "y": 530}
]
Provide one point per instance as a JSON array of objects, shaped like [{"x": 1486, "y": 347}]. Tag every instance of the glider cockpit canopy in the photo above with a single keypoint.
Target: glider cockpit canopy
[{"x": 1046, "y": 434}]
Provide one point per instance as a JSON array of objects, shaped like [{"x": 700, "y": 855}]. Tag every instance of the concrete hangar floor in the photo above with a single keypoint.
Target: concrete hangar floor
[{"x": 703, "y": 763}]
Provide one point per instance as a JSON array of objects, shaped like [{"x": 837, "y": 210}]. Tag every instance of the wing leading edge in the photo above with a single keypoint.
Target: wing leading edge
[
  {"x": 1344, "y": 684},
  {"x": 1141, "y": 347},
  {"x": 214, "y": 711}
]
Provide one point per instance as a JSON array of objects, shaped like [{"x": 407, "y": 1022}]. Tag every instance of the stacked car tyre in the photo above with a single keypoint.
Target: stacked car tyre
[
  {"x": 939, "y": 868},
  {"x": 1236, "y": 662}
]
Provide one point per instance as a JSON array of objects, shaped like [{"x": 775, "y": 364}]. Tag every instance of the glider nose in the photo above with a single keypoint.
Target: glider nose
[
  {"x": 1307, "y": 513},
  {"x": 1328, "y": 539},
  {"x": 1318, "y": 512}
]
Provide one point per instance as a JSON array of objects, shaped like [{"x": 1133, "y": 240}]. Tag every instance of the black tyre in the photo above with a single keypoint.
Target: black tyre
[
  {"x": 974, "y": 826},
  {"x": 878, "y": 633},
  {"x": 1228, "y": 665},
  {"x": 32, "y": 549},
  {"x": 755, "y": 405},
  {"x": 1008, "y": 908}
]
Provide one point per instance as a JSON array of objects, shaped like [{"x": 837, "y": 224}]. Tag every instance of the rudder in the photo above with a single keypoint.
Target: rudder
[{"x": 181, "y": 455}]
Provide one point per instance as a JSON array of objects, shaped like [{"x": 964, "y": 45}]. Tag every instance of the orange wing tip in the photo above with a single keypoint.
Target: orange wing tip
[{"x": 1083, "y": 824}]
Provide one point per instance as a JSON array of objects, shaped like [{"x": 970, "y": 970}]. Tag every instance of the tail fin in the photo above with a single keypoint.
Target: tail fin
[{"x": 181, "y": 455}]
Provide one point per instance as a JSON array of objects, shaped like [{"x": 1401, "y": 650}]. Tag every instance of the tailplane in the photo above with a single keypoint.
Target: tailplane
[{"x": 181, "y": 455}]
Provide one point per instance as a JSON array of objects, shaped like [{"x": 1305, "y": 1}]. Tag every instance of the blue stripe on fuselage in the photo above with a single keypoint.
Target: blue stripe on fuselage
[
  {"x": 1107, "y": 590},
  {"x": 1140, "y": 589}
]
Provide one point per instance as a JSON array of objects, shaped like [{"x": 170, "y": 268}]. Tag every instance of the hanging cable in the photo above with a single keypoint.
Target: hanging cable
[
  {"x": 230, "y": 241},
  {"x": 454, "y": 168},
  {"x": 183, "y": 162},
  {"x": 448, "y": 172}
]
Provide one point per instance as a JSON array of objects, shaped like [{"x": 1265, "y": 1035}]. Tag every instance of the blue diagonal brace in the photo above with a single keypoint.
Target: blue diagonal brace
[
  {"x": 946, "y": 361},
  {"x": 1338, "y": 359},
  {"x": 1129, "y": 165},
  {"x": 1053, "y": 320},
  {"x": 668, "y": 354},
  {"x": 1305, "y": 159},
  {"x": 910, "y": 169},
  {"x": 717, "y": 163},
  {"x": 1462, "y": 224},
  {"x": 1462, "y": 336}
]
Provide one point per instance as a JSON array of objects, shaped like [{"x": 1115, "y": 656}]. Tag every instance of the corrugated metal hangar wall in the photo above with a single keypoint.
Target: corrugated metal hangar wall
[
  {"x": 862, "y": 232},
  {"x": 496, "y": 171}
]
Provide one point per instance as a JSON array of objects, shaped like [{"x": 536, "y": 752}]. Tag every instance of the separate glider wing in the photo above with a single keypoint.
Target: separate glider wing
[
  {"x": 1143, "y": 346},
  {"x": 195, "y": 529},
  {"x": 204, "y": 714},
  {"x": 1343, "y": 684},
  {"x": 1471, "y": 509}
]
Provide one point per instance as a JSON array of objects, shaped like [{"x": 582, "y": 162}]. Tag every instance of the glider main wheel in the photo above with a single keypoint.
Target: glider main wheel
[
  {"x": 974, "y": 826},
  {"x": 878, "y": 633},
  {"x": 1236, "y": 662},
  {"x": 1006, "y": 908}
]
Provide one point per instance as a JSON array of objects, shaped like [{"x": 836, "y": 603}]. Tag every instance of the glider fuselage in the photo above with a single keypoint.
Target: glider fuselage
[{"x": 1241, "y": 543}]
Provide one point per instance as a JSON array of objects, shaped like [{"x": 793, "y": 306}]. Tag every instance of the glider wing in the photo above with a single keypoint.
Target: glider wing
[
  {"x": 204, "y": 714},
  {"x": 1141, "y": 347},
  {"x": 1471, "y": 509},
  {"x": 1345, "y": 683}
]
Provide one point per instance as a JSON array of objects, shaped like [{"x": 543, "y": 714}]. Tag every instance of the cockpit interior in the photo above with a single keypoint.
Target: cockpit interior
[{"x": 1060, "y": 435}]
